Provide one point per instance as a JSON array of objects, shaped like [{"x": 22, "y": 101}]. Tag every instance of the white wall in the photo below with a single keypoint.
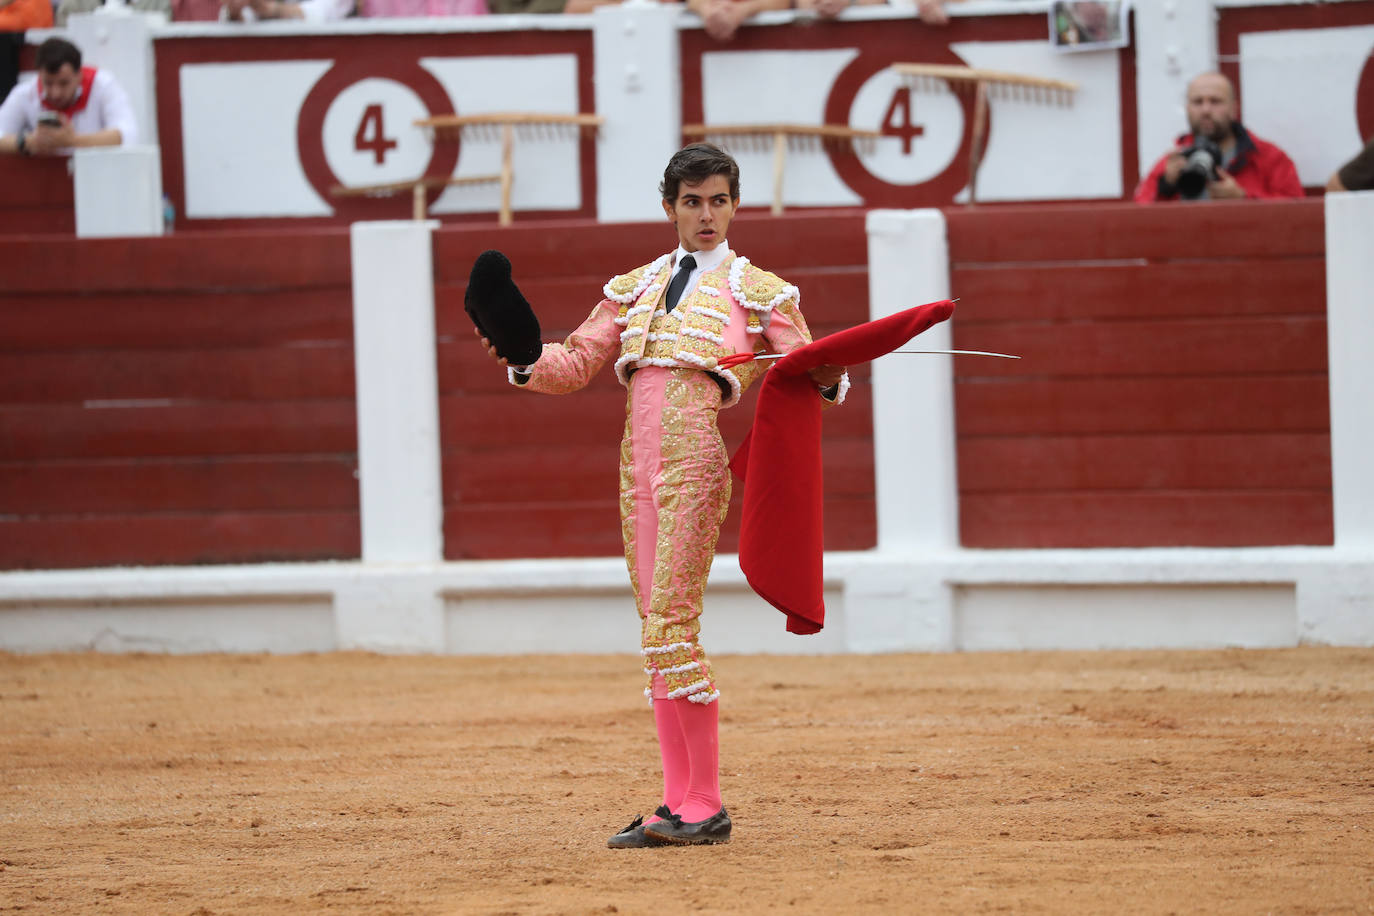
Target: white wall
[{"x": 241, "y": 156}]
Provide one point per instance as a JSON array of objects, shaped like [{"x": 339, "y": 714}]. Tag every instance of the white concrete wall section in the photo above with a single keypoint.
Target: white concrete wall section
[
  {"x": 1336, "y": 602},
  {"x": 1166, "y": 598},
  {"x": 913, "y": 396},
  {"x": 118, "y": 191},
  {"x": 1298, "y": 89},
  {"x": 1124, "y": 616},
  {"x": 1350, "y": 344},
  {"x": 1175, "y": 40},
  {"x": 638, "y": 76},
  {"x": 238, "y": 137},
  {"x": 240, "y": 120},
  {"x": 266, "y": 608},
  {"x": 244, "y": 156},
  {"x": 1049, "y": 148},
  {"x": 192, "y": 623},
  {"x": 388, "y": 608},
  {"x": 397, "y": 392},
  {"x": 899, "y": 601},
  {"x": 786, "y": 87},
  {"x": 600, "y": 617},
  {"x": 117, "y": 39},
  {"x": 547, "y": 161}
]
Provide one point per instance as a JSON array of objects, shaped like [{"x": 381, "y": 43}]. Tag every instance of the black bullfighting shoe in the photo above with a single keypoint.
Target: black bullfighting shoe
[
  {"x": 672, "y": 829},
  {"x": 632, "y": 837}
]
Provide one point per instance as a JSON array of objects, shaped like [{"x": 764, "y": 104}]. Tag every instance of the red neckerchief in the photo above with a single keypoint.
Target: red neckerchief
[{"x": 82, "y": 97}]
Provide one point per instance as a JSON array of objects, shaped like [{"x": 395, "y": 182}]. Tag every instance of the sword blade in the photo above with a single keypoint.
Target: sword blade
[
  {"x": 763, "y": 356},
  {"x": 963, "y": 353}
]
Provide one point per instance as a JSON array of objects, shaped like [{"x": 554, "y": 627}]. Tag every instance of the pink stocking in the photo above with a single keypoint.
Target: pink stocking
[
  {"x": 700, "y": 723},
  {"x": 671, "y": 747}
]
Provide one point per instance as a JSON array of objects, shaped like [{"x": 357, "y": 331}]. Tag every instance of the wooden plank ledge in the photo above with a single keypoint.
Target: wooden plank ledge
[
  {"x": 394, "y": 187},
  {"x": 800, "y": 130},
  {"x": 974, "y": 75},
  {"x": 509, "y": 117}
]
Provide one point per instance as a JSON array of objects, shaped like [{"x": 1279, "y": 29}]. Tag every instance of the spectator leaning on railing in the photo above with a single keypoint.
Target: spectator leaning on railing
[
  {"x": 309, "y": 10},
  {"x": 722, "y": 18},
  {"x": 65, "y": 106},
  {"x": 1218, "y": 158}
]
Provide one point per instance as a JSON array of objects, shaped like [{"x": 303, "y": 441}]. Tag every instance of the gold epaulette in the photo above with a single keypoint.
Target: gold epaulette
[
  {"x": 626, "y": 288},
  {"x": 760, "y": 292}
]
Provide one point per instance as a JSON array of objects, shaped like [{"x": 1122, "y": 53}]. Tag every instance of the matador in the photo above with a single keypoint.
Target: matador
[{"x": 667, "y": 325}]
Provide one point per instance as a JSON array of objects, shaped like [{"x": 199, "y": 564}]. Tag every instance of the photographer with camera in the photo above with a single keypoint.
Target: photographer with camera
[
  {"x": 1218, "y": 159},
  {"x": 65, "y": 106}
]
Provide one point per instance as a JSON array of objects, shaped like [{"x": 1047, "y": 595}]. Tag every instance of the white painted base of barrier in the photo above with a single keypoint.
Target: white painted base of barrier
[
  {"x": 961, "y": 600},
  {"x": 118, "y": 191}
]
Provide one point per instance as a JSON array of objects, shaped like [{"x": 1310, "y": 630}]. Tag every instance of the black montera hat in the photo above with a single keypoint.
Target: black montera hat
[{"x": 496, "y": 306}]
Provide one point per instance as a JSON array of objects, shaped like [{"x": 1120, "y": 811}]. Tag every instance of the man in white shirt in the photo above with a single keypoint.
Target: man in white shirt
[
  {"x": 65, "y": 106},
  {"x": 308, "y": 10}
]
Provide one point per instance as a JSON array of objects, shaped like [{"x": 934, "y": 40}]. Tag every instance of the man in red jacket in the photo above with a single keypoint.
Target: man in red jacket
[{"x": 1244, "y": 166}]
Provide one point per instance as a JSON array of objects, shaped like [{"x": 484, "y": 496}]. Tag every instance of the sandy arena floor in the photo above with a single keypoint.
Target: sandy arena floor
[{"x": 1152, "y": 782}]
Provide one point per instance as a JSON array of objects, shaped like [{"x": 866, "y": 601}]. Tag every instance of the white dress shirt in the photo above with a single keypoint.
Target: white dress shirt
[
  {"x": 108, "y": 107},
  {"x": 706, "y": 260}
]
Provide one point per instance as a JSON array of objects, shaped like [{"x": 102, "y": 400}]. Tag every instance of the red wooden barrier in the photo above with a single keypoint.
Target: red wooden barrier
[
  {"x": 186, "y": 399},
  {"x": 189, "y": 399},
  {"x": 530, "y": 475},
  {"x": 37, "y": 195},
  {"x": 1173, "y": 388}
]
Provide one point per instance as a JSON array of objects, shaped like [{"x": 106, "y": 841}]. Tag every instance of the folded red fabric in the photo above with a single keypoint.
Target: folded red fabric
[{"x": 781, "y": 536}]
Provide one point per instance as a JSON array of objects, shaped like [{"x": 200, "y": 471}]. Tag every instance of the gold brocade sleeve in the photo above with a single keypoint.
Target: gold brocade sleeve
[
  {"x": 786, "y": 331},
  {"x": 568, "y": 366}
]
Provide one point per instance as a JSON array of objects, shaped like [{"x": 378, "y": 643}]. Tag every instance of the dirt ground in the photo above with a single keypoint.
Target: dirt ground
[{"x": 1151, "y": 782}]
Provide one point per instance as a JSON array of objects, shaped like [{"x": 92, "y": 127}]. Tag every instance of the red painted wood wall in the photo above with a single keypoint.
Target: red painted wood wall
[
  {"x": 1173, "y": 389},
  {"x": 189, "y": 399},
  {"x": 529, "y": 475},
  {"x": 37, "y": 196},
  {"x": 186, "y": 399}
]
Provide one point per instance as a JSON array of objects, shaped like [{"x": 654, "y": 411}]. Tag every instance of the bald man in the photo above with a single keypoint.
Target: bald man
[{"x": 1249, "y": 166}]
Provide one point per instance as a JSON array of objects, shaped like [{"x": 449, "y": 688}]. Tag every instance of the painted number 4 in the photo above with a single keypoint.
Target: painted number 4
[
  {"x": 897, "y": 120},
  {"x": 371, "y": 134}
]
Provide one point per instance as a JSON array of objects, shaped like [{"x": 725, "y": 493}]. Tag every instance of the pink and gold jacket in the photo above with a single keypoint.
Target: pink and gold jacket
[{"x": 735, "y": 308}]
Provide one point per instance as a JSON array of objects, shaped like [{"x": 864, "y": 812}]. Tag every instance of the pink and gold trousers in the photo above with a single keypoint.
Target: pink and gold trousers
[{"x": 674, "y": 493}]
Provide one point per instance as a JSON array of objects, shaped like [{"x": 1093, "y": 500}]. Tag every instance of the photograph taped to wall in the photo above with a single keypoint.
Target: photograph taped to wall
[{"x": 1088, "y": 26}]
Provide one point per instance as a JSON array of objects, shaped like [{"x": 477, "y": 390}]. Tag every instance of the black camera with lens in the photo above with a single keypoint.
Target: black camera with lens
[{"x": 1200, "y": 169}]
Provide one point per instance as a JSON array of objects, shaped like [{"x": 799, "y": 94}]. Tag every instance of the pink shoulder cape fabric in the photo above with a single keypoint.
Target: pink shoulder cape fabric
[{"x": 781, "y": 540}]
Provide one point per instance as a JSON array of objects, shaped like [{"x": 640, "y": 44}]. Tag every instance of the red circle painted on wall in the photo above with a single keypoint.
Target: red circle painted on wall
[
  {"x": 371, "y": 137},
  {"x": 899, "y": 122},
  {"x": 1364, "y": 100}
]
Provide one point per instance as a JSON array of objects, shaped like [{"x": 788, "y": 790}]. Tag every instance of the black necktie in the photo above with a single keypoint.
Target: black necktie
[{"x": 679, "y": 281}]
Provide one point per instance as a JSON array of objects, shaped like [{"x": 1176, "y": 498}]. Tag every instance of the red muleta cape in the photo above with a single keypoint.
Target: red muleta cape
[{"x": 781, "y": 538}]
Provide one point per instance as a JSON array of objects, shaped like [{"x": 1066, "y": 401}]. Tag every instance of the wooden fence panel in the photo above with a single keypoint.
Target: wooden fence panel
[
  {"x": 1173, "y": 387},
  {"x": 186, "y": 399}
]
